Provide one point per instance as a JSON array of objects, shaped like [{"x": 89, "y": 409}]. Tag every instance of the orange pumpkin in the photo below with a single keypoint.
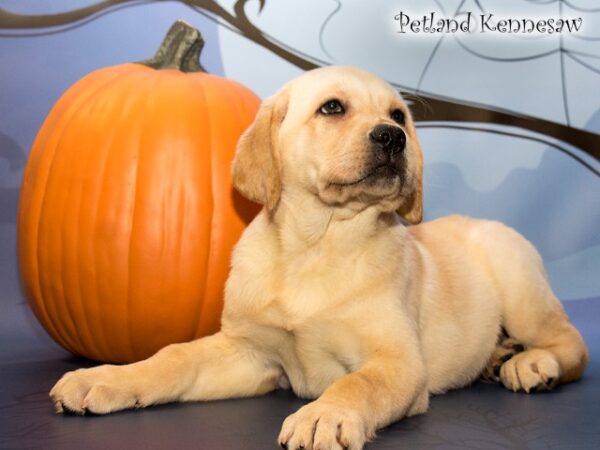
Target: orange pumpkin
[{"x": 127, "y": 216}]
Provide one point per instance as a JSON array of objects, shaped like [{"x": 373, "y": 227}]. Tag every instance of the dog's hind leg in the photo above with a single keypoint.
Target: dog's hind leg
[{"x": 554, "y": 351}]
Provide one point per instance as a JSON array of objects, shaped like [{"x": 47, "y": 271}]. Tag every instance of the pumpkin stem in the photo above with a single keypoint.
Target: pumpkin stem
[{"x": 180, "y": 50}]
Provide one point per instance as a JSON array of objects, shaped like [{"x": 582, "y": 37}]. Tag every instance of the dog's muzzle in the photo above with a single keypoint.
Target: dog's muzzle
[
  {"x": 388, "y": 139},
  {"x": 387, "y": 160}
]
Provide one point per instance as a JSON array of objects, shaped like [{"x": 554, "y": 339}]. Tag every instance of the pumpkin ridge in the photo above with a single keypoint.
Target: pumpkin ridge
[
  {"x": 81, "y": 101},
  {"x": 84, "y": 328},
  {"x": 212, "y": 81},
  {"x": 219, "y": 92},
  {"x": 202, "y": 305},
  {"x": 104, "y": 336},
  {"x": 29, "y": 264},
  {"x": 77, "y": 306},
  {"x": 203, "y": 141},
  {"x": 155, "y": 79}
]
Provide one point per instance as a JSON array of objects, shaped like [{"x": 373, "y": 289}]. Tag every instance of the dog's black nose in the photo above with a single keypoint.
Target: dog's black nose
[{"x": 388, "y": 138}]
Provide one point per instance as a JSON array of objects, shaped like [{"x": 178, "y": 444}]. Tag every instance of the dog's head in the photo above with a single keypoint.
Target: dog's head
[{"x": 340, "y": 133}]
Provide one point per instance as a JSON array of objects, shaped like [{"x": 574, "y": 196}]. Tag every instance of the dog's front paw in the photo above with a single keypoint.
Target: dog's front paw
[
  {"x": 323, "y": 426},
  {"x": 99, "y": 390},
  {"x": 534, "y": 369}
]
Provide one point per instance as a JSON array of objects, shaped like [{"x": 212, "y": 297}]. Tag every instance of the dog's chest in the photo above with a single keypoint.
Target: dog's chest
[
  {"x": 307, "y": 308},
  {"x": 322, "y": 339},
  {"x": 317, "y": 353},
  {"x": 313, "y": 287},
  {"x": 327, "y": 304}
]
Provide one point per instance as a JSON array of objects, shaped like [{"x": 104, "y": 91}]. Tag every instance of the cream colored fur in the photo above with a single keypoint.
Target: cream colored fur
[{"x": 331, "y": 294}]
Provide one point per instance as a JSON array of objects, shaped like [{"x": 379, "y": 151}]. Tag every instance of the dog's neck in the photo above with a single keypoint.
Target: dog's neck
[{"x": 303, "y": 222}]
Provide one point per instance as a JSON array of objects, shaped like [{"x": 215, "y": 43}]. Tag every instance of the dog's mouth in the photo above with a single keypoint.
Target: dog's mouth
[
  {"x": 379, "y": 184},
  {"x": 384, "y": 172}
]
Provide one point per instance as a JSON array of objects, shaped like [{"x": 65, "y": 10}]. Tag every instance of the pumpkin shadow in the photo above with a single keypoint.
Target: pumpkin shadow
[{"x": 244, "y": 208}]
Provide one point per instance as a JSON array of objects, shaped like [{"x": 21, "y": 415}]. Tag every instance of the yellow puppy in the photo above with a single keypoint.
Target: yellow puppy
[{"x": 331, "y": 294}]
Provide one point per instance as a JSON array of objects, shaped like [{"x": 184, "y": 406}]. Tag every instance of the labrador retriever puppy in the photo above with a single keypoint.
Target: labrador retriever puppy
[{"x": 332, "y": 295}]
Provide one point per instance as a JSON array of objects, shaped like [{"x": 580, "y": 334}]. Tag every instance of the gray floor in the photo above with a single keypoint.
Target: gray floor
[{"x": 480, "y": 417}]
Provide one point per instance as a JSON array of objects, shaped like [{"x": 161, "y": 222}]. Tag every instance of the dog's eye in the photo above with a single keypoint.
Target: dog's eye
[
  {"x": 331, "y": 107},
  {"x": 398, "y": 116}
]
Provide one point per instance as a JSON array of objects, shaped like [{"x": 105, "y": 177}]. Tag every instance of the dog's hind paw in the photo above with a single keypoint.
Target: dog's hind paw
[{"x": 532, "y": 370}]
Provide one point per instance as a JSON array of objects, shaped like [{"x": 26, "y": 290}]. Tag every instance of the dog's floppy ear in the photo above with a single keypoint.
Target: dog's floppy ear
[
  {"x": 412, "y": 208},
  {"x": 256, "y": 166}
]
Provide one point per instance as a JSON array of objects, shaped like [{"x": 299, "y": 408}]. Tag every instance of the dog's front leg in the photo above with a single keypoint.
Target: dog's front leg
[
  {"x": 214, "y": 367},
  {"x": 390, "y": 385}
]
